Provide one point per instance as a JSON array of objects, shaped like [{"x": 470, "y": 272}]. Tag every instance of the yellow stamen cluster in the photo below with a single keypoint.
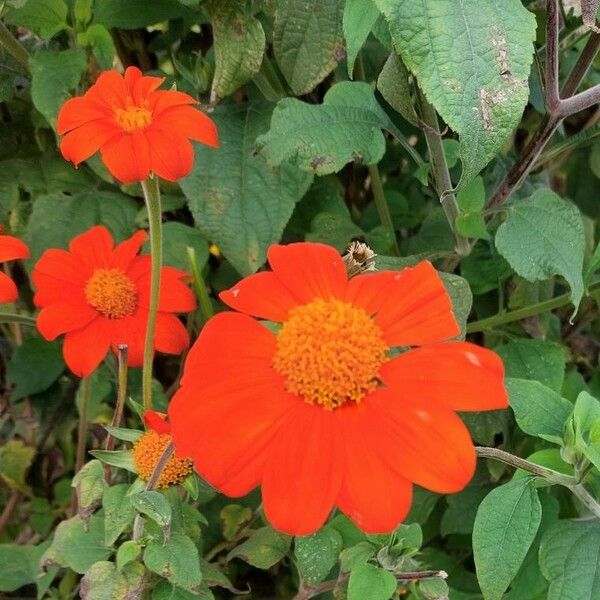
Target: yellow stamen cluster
[
  {"x": 111, "y": 293},
  {"x": 146, "y": 454},
  {"x": 133, "y": 117},
  {"x": 330, "y": 352}
]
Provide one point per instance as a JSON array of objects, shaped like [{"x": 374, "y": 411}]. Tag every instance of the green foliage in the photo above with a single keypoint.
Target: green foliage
[
  {"x": 317, "y": 554},
  {"x": 263, "y": 548},
  {"x": 44, "y": 17},
  {"x": 367, "y": 581}
]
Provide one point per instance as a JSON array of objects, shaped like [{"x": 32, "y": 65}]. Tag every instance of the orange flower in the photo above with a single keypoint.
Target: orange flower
[
  {"x": 98, "y": 295},
  {"x": 323, "y": 413},
  {"x": 148, "y": 450},
  {"x": 11, "y": 248},
  {"x": 138, "y": 128}
]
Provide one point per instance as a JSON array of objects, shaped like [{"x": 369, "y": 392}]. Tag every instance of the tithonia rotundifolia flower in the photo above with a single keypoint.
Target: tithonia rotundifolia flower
[
  {"x": 138, "y": 128},
  {"x": 11, "y": 248},
  {"x": 347, "y": 404},
  {"x": 98, "y": 295}
]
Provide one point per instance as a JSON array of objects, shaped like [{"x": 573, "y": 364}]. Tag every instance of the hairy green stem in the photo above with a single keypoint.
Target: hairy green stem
[
  {"x": 527, "y": 311},
  {"x": 118, "y": 414},
  {"x": 14, "y": 47},
  {"x": 203, "y": 298},
  {"x": 152, "y": 198},
  {"x": 383, "y": 209},
  {"x": 81, "y": 435},
  {"x": 15, "y": 318}
]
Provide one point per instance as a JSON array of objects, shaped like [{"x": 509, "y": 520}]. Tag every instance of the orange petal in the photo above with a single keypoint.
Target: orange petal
[
  {"x": 79, "y": 111},
  {"x": 93, "y": 248},
  {"x": 81, "y": 143},
  {"x": 126, "y": 251},
  {"x": 304, "y": 471},
  {"x": 61, "y": 317},
  {"x": 309, "y": 270},
  {"x": 84, "y": 349},
  {"x": 455, "y": 375},
  {"x": 225, "y": 423},
  {"x": 191, "y": 123},
  {"x": 58, "y": 275},
  {"x": 170, "y": 336},
  {"x": 162, "y": 100},
  {"x": 370, "y": 290},
  {"x": 417, "y": 309},
  {"x": 175, "y": 296},
  {"x": 156, "y": 421},
  {"x": 261, "y": 295},
  {"x": 171, "y": 155},
  {"x": 12, "y": 248},
  {"x": 132, "y": 332},
  {"x": 127, "y": 157},
  {"x": 373, "y": 495},
  {"x": 144, "y": 87},
  {"x": 109, "y": 90},
  {"x": 8, "y": 289},
  {"x": 432, "y": 446}
]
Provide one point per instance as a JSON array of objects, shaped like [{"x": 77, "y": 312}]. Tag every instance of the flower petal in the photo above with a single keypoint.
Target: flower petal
[
  {"x": 109, "y": 90},
  {"x": 127, "y": 157},
  {"x": 93, "y": 248},
  {"x": 12, "y": 248},
  {"x": 132, "y": 332},
  {"x": 61, "y": 317},
  {"x": 190, "y": 123},
  {"x": 373, "y": 495},
  {"x": 144, "y": 87},
  {"x": 126, "y": 251},
  {"x": 309, "y": 270},
  {"x": 8, "y": 289},
  {"x": 157, "y": 422},
  {"x": 225, "y": 423},
  {"x": 417, "y": 309},
  {"x": 81, "y": 143},
  {"x": 370, "y": 290},
  {"x": 261, "y": 295},
  {"x": 162, "y": 100},
  {"x": 170, "y": 336},
  {"x": 85, "y": 348},
  {"x": 433, "y": 447},
  {"x": 175, "y": 295},
  {"x": 78, "y": 111},
  {"x": 304, "y": 471},
  {"x": 171, "y": 154},
  {"x": 456, "y": 375}
]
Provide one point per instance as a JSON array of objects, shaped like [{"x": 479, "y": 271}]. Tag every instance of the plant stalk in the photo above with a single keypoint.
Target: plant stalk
[
  {"x": 200, "y": 286},
  {"x": 16, "y": 318},
  {"x": 81, "y": 435},
  {"x": 14, "y": 47},
  {"x": 383, "y": 209}
]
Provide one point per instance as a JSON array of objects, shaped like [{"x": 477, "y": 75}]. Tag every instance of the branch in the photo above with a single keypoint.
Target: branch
[
  {"x": 14, "y": 47},
  {"x": 552, "y": 91}
]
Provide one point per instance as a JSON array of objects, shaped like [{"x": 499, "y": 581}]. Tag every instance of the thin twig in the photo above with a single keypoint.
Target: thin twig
[
  {"x": 118, "y": 414},
  {"x": 14, "y": 47}
]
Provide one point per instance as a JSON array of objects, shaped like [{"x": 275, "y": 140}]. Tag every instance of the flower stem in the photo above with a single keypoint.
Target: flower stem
[
  {"x": 14, "y": 47},
  {"x": 203, "y": 298},
  {"x": 152, "y": 198},
  {"x": 81, "y": 434},
  {"x": 15, "y": 318},
  {"x": 381, "y": 204}
]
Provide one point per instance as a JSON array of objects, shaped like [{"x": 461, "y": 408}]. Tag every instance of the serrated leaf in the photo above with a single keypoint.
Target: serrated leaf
[
  {"x": 317, "y": 554},
  {"x": 356, "y": 555},
  {"x": 543, "y": 236},
  {"x": 323, "y": 138},
  {"x": 395, "y": 88},
  {"x": 104, "y": 582},
  {"x": 472, "y": 59},
  {"x": 505, "y": 527},
  {"x": 21, "y": 566},
  {"x": 44, "y": 17},
  {"x": 308, "y": 41},
  {"x": 128, "y": 551},
  {"x": 539, "y": 410},
  {"x": 54, "y": 74},
  {"x": 154, "y": 505},
  {"x": 177, "y": 560},
  {"x": 90, "y": 485},
  {"x": 367, "y": 581},
  {"x": 569, "y": 560},
  {"x": 264, "y": 548},
  {"x": 358, "y": 20},
  {"x": 237, "y": 200},
  {"x": 239, "y": 44}
]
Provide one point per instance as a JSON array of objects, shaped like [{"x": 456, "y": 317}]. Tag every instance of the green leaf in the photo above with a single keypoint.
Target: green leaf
[
  {"x": 239, "y": 45},
  {"x": 358, "y": 20},
  {"x": 308, "y": 41},
  {"x": 542, "y": 237},
  {"x": 44, "y": 17},
  {"x": 323, "y": 138},
  {"x": 121, "y": 433},
  {"x": 233, "y": 517},
  {"x": 54, "y": 74},
  {"x": 34, "y": 366},
  {"x": 154, "y": 505},
  {"x": 104, "y": 582},
  {"x": 462, "y": 509},
  {"x": 238, "y": 201},
  {"x": 505, "y": 527},
  {"x": 128, "y": 551},
  {"x": 90, "y": 484},
  {"x": 264, "y": 548},
  {"x": 118, "y": 512},
  {"x": 471, "y": 199},
  {"x": 76, "y": 547},
  {"x": 569, "y": 560},
  {"x": 317, "y": 554},
  {"x": 134, "y": 14},
  {"x": 539, "y": 410},
  {"x": 57, "y": 218},
  {"x": 165, "y": 591},
  {"x": 356, "y": 555},
  {"x": 98, "y": 38},
  {"x": 20, "y": 565},
  {"x": 123, "y": 459},
  {"x": 395, "y": 88},
  {"x": 177, "y": 237},
  {"x": 472, "y": 60},
  {"x": 15, "y": 460},
  {"x": 367, "y": 581},
  {"x": 534, "y": 359},
  {"x": 177, "y": 560},
  {"x": 586, "y": 425}
]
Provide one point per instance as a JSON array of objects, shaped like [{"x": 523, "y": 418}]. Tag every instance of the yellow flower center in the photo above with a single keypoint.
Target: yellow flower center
[
  {"x": 133, "y": 117},
  {"x": 111, "y": 293},
  {"x": 330, "y": 352},
  {"x": 146, "y": 454}
]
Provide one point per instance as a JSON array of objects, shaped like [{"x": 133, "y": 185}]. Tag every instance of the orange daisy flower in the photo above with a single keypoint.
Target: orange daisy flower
[
  {"x": 323, "y": 413},
  {"x": 98, "y": 295},
  {"x": 138, "y": 128},
  {"x": 11, "y": 248}
]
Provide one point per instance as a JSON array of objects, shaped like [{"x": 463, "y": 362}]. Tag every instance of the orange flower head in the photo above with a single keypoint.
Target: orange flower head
[
  {"x": 98, "y": 295},
  {"x": 138, "y": 128},
  {"x": 150, "y": 447},
  {"x": 11, "y": 248},
  {"x": 322, "y": 413}
]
